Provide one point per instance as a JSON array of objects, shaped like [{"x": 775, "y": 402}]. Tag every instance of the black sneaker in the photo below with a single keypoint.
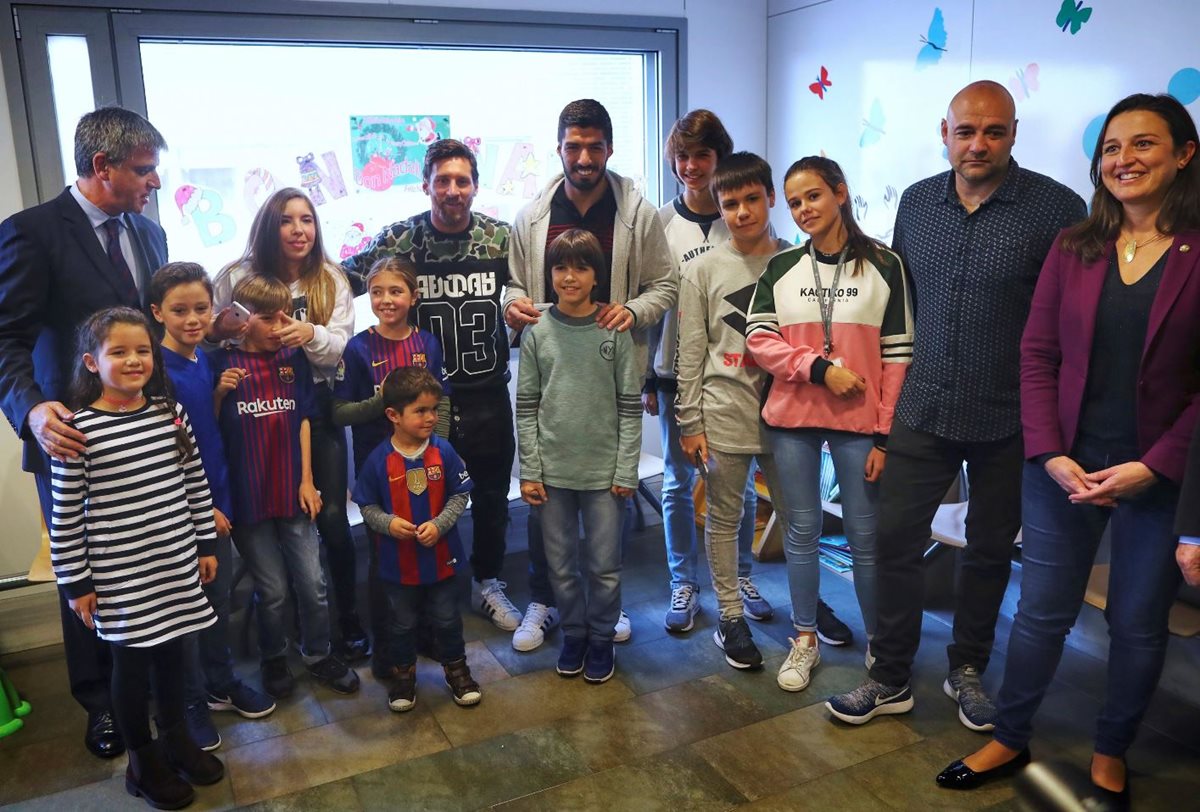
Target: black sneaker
[
  {"x": 201, "y": 728},
  {"x": 733, "y": 637},
  {"x": 356, "y": 646},
  {"x": 832, "y": 631},
  {"x": 277, "y": 678},
  {"x": 334, "y": 674}
]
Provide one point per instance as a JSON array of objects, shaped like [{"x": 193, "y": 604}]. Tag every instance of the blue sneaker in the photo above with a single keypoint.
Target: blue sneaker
[
  {"x": 684, "y": 606},
  {"x": 975, "y": 708},
  {"x": 754, "y": 604},
  {"x": 241, "y": 699},
  {"x": 201, "y": 728},
  {"x": 570, "y": 659},
  {"x": 869, "y": 700},
  {"x": 600, "y": 663}
]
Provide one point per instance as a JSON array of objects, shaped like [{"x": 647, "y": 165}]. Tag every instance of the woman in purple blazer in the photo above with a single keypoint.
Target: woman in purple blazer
[{"x": 1110, "y": 395}]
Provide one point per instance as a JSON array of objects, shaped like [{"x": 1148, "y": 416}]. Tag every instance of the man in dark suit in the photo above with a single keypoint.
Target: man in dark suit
[
  {"x": 87, "y": 249},
  {"x": 1187, "y": 519}
]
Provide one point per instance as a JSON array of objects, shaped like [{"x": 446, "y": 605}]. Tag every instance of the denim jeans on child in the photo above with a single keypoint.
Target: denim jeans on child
[
  {"x": 725, "y": 493},
  {"x": 799, "y": 453},
  {"x": 679, "y": 515},
  {"x": 1058, "y": 549},
  {"x": 407, "y": 605},
  {"x": 276, "y": 550},
  {"x": 588, "y": 596},
  {"x": 210, "y": 662}
]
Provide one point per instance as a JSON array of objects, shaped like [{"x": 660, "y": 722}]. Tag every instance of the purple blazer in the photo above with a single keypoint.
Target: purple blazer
[{"x": 1057, "y": 347}]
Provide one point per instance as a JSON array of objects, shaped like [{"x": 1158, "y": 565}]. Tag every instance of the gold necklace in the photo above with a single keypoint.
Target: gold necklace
[{"x": 1132, "y": 246}]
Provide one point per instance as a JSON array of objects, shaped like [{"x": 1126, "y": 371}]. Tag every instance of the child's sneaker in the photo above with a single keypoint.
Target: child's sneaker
[
  {"x": 334, "y": 674},
  {"x": 624, "y": 628},
  {"x": 869, "y": 700},
  {"x": 402, "y": 689},
  {"x": 753, "y": 603},
  {"x": 975, "y": 708},
  {"x": 488, "y": 598},
  {"x": 733, "y": 637},
  {"x": 684, "y": 606},
  {"x": 201, "y": 728},
  {"x": 830, "y": 629},
  {"x": 571, "y": 658},
  {"x": 539, "y": 619},
  {"x": 242, "y": 699},
  {"x": 356, "y": 646},
  {"x": 796, "y": 670},
  {"x": 458, "y": 680},
  {"x": 277, "y": 679},
  {"x": 600, "y": 662}
]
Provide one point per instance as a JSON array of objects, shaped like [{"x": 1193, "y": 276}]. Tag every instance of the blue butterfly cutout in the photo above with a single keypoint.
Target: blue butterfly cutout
[
  {"x": 935, "y": 42},
  {"x": 873, "y": 125}
]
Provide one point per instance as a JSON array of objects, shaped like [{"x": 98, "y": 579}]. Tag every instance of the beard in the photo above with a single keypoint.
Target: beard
[{"x": 584, "y": 184}]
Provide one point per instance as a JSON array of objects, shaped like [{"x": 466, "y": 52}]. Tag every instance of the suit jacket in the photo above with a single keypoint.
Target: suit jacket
[
  {"x": 1057, "y": 348},
  {"x": 1187, "y": 518},
  {"x": 53, "y": 275}
]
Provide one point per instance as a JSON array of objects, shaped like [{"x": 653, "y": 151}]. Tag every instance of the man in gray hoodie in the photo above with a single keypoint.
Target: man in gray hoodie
[{"x": 639, "y": 285}]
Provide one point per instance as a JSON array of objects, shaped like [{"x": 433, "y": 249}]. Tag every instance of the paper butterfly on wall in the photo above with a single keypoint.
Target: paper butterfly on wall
[
  {"x": 822, "y": 84},
  {"x": 935, "y": 42},
  {"x": 1025, "y": 82},
  {"x": 1074, "y": 15},
  {"x": 872, "y": 125}
]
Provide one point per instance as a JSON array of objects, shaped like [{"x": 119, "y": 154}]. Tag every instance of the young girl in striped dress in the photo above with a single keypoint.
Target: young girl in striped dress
[{"x": 132, "y": 539}]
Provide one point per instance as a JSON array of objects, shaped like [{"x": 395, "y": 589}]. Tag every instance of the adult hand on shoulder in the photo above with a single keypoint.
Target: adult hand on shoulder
[
  {"x": 1116, "y": 482},
  {"x": 401, "y": 528},
  {"x": 295, "y": 333},
  {"x": 845, "y": 383},
  {"x": 84, "y": 607},
  {"x": 615, "y": 316},
  {"x": 47, "y": 423},
  {"x": 876, "y": 459},
  {"x": 521, "y": 312},
  {"x": 533, "y": 493},
  {"x": 650, "y": 403},
  {"x": 208, "y": 568},
  {"x": 1188, "y": 558}
]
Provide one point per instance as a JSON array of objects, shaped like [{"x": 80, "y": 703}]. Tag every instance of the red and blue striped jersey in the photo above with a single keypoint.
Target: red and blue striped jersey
[
  {"x": 414, "y": 489},
  {"x": 366, "y": 361},
  {"x": 260, "y": 423}
]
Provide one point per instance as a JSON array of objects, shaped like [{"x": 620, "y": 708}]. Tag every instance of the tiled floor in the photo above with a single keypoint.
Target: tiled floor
[{"x": 675, "y": 729}]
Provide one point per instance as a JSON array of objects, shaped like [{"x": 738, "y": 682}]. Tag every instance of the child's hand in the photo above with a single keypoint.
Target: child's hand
[
  {"x": 845, "y": 383},
  {"x": 650, "y": 403},
  {"x": 230, "y": 379},
  {"x": 876, "y": 459},
  {"x": 534, "y": 493},
  {"x": 615, "y": 316},
  {"x": 403, "y": 529},
  {"x": 295, "y": 333},
  {"x": 622, "y": 492},
  {"x": 224, "y": 528},
  {"x": 84, "y": 607},
  {"x": 693, "y": 445},
  {"x": 208, "y": 568},
  {"x": 427, "y": 534},
  {"x": 310, "y": 500}
]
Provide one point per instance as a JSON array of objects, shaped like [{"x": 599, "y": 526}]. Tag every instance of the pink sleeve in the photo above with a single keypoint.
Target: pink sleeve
[
  {"x": 774, "y": 354},
  {"x": 889, "y": 393}
]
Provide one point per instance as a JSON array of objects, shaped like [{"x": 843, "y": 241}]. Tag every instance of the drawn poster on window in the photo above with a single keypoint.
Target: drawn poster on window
[{"x": 390, "y": 150}]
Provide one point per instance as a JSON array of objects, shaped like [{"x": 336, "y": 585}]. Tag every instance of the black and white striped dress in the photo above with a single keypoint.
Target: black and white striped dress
[{"x": 128, "y": 521}]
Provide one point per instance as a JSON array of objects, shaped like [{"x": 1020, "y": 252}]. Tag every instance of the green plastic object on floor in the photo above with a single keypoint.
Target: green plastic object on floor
[{"x": 12, "y": 707}]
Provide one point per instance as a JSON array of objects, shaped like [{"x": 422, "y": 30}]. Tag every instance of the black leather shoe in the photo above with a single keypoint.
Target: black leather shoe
[
  {"x": 960, "y": 776},
  {"x": 102, "y": 738}
]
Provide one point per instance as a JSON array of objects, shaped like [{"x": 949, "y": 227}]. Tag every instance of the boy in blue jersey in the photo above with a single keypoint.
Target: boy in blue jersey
[
  {"x": 265, "y": 398},
  {"x": 181, "y": 300},
  {"x": 411, "y": 490}
]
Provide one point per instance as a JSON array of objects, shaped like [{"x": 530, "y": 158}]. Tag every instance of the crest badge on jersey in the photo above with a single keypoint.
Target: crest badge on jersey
[
  {"x": 434, "y": 472},
  {"x": 287, "y": 374},
  {"x": 340, "y": 375},
  {"x": 416, "y": 481}
]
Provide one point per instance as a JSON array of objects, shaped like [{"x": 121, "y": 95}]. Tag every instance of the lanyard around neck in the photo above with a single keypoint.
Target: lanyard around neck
[{"x": 826, "y": 302}]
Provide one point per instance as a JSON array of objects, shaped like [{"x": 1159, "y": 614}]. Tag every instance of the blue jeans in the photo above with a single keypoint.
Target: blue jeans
[
  {"x": 1060, "y": 541},
  {"x": 679, "y": 515},
  {"x": 589, "y": 601},
  {"x": 209, "y": 660},
  {"x": 276, "y": 550},
  {"x": 540, "y": 590},
  {"x": 438, "y": 603},
  {"x": 799, "y": 453}
]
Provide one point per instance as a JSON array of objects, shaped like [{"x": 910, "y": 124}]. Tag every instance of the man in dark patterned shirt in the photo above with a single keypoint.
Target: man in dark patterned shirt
[
  {"x": 974, "y": 240},
  {"x": 461, "y": 259}
]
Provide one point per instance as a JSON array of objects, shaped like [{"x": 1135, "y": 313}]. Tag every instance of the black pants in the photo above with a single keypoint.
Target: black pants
[
  {"x": 330, "y": 477},
  {"x": 133, "y": 671},
  {"x": 920, "y": 469},
  {"x": 481, "y": 431},
  {"x": 89, "y": 662}
]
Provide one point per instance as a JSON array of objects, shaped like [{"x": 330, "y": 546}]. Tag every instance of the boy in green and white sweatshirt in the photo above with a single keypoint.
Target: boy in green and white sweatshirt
[{"x": 579, "y": 431}]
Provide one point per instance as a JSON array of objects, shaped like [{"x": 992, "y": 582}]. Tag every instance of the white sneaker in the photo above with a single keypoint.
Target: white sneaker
[
  {"x": 539, "y": 619},
  {"x": 488, "y": 598},
  {"x": 796, "y": 670},
  {"x": 623, "y": 629}
]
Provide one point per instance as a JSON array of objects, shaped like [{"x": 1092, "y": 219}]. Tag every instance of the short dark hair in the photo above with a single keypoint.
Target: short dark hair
[
  {"x": 404, "y": 385},
  {"x": 738, "y": 170},
  {"x": 174, "y": 274},
  {"x": 116, "y": 132},
  {"x": 449, "y": 148},
  {"x": 578, "y": 247},
  {"x": 699, "y": 128},
  {"x": 585, "y": 113}
]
